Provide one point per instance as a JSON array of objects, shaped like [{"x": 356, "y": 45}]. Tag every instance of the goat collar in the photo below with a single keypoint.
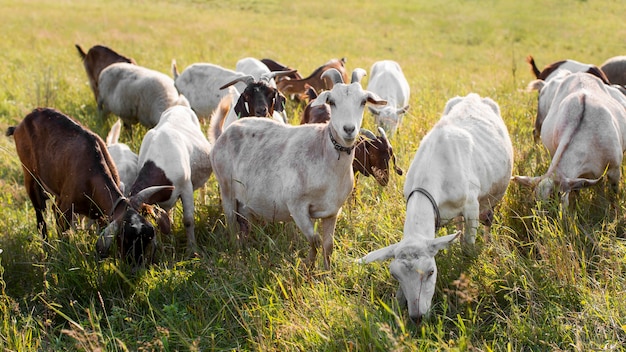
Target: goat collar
[
  {"x": 340, "y": 148},
  {"x": 117, "y": 202},
  {"x": 432, "y": 202}
]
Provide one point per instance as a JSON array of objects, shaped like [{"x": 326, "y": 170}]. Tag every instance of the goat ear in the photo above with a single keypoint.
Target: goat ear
[
  {"x": 163, "y": 220},
  {"x": 322, "y": 98},
  {"x": 240, "y": 107},
  {"x": 374, "y": 99},
  {"x": 537, "y": 85},
  {"x": 528, "y": 181},
  {"x": 402, "y": 110},
  {"x": 442, "y": 242},
  {"x": 575, "y": 184},
  {"x": 379, "y": 254},
  {"x": 373, "y": 110},
  {"x": 279, "y": 101}
]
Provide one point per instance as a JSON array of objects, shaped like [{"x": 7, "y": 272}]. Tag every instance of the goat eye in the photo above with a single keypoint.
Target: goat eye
[
  {"x": 430, "y": 273},
  {"x": 331, "y": 103},
  {"x": 363, "y": 103}
]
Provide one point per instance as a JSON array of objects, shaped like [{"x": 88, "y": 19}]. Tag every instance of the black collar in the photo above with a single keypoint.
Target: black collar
[
  {"x": 336, "y": 144},
  {"x": 432, "y": 201}
]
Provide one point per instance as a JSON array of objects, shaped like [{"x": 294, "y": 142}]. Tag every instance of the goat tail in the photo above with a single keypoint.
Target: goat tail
[
  {"x": 174, "y": 69},
  {"x": 114, "y": 133},
  {"x": 533, "y": 67},
  {"x": 81, "y": 52},
  {"x": 217, "y": 118},
  {"x": 10, "y": 131}
]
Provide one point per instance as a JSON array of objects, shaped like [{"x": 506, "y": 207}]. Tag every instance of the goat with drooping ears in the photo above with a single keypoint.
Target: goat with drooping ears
[
  {"x": 388, "y": 81},
  {"x": 62, "y": 158},
  {"x": 310, "y": 176},
  {"x": 462, "y": 168}
]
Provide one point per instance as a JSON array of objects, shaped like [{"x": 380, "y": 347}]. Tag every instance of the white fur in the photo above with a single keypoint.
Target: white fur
[
  {"x": 388, "y": 81},
  {"x": 465, "y": 163},
  {"x": 583, "y": 127},
  {"x": 178, "y": 147},
  {"x": 280, "y": 172},
  {"x": 124, "y": 158},
  {"x": 200, "y": 83},
  {"x": 255, "y": 68},
  {"x": 136, "y": 94}
]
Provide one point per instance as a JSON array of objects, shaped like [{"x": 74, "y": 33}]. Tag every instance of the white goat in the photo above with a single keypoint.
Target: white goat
[
  {"x": 255, "y": 68},
  {"x": 175, "y": 152},
  {"x": 136, "y": 94},
  {"x": 200, "y": 83},
  {"x": 388, "y": 81},
  {"x": 462, "y": 167},
  {"x": 584, "y": 129},
  {"x": 125, "y": 159},
  {"x": 282, "y": 172}
]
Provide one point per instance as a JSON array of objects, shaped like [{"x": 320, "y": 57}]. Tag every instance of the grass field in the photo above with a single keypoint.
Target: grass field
[{"x": 544, "y": 281}]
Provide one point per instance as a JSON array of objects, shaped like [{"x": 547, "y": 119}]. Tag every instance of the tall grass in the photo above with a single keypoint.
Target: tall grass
[{"x": 545, "y": 280}]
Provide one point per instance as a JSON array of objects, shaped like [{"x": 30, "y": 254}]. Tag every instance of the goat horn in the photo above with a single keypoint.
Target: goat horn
[
  {"x": 142, "y": 197},
  {"x": 358, "y": 74},
  {"x": 247, "y": 79},
  {"x": 334, "y": 75},
  {"x": 269, "y": 75},
  {"x": 369, "y": 134}
]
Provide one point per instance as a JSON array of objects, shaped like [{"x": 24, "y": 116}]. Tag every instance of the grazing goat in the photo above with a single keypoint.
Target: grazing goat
[
  {"x": 175, "y": 153},
  {"x": 62, "y": 158},
  {"x": 257, "y": 99},
  {"x": 615, "y": 70},
  {"x": 276, "y": 66},
  {"x": 298, "y": 86},
  {"x": 584, "y": 129},
  {"x": 200, "y": 83},
  {"x": 97, "y": 59},
  {"x": 281, "y": 172},
  {"x": 550, "y": 70},
  {"x": 372, "y": 156},
  {"x": 462, "y": 167},
  {"x": 388, "y": 81},
  {"x": 124, "y": 158},
  {"x": 136, "y": 94}
]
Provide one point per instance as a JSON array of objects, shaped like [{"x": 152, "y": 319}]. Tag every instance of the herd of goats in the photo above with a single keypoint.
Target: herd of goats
[{"x": 269, "y": 169}]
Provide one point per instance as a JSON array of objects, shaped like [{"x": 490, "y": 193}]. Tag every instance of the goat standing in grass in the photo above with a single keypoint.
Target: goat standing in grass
[{"x": 281, "y": 172}]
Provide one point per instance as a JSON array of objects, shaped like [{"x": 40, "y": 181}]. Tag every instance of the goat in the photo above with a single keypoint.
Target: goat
[
  {"x": 257, "y": 99},
  {"x": 615, "y": 70},
  {"x": 136, "y": 94},
  {"x": 175, "y": 153},
  {"x": 388, "y": 81},
  {"x": 255, "y": 68},
  {"x": 584, "y": 129},
  {"x": 462, "y": 167},
  {"x": 298, "y": 86},
  {"x": 200, "y": 83},
  {"x": 550, "y": 70},
  {"x": 62, "y": 158},
  {"x": 97, "y": 59},
  {"x": 124, "y": 158},
  {"x": 281, "y": 172},
  {"x": 372, "y": 156}
]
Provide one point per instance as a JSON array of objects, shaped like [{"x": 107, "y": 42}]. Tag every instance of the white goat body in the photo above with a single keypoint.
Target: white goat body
[
  {"x": 388, "y": 81},
  {"x": 136, "y": 94},
  {"x": 281, "y": 172},
  {"x": 462, "y": 167},
  {"x": 179, "y": 151},
  {"x": 125, "y": 159},
  {"x": 200, "y": 83},
  {"x": 583, "y": 128},
  {"x": 254, "y": 67}
]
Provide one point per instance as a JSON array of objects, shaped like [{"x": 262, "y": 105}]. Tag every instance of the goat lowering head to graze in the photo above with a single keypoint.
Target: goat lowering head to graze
[
  {"x": 257, "y": 99},
  {"x": 584, "y": 128},
  {"x": 372, "y": 156},
  {"x": 97, "y": 59},
  {"x": 552, "y": 69},
  {"x": 62, "y": 158},
  {"x": 200, "y": 83},
  {"x": 280, "y": 172},
  {"x": 124, "y": 158},
  {"x": 388, "y": 81},
  {"x": 136, "y": 94},
  {"x": 175, "y": 153},
  {"x": 462, "y": 168},
  {"x": 298, "y": 86}
]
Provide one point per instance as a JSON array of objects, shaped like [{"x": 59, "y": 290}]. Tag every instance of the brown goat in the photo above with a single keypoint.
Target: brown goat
[
  {"x": 62, "y": 158},
  {"x": 314, "y": 113},
  {"x": 97, "y": 59},
  {"x": 371, "y": 157},
  {"x": 571, "y": 65},
  {"x": 315, "y": 80},
  {"x": 275, "y": 66}
]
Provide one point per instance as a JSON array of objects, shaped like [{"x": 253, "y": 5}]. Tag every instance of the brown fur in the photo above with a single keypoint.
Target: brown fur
[
  {"x": 298, "y": 86},
  {"x": 275, "y": 66},
  {"x": 97, "y": 59}
]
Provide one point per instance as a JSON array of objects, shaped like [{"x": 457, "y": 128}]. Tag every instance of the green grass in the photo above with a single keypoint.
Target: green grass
[{"x": 545, "y": 281}]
